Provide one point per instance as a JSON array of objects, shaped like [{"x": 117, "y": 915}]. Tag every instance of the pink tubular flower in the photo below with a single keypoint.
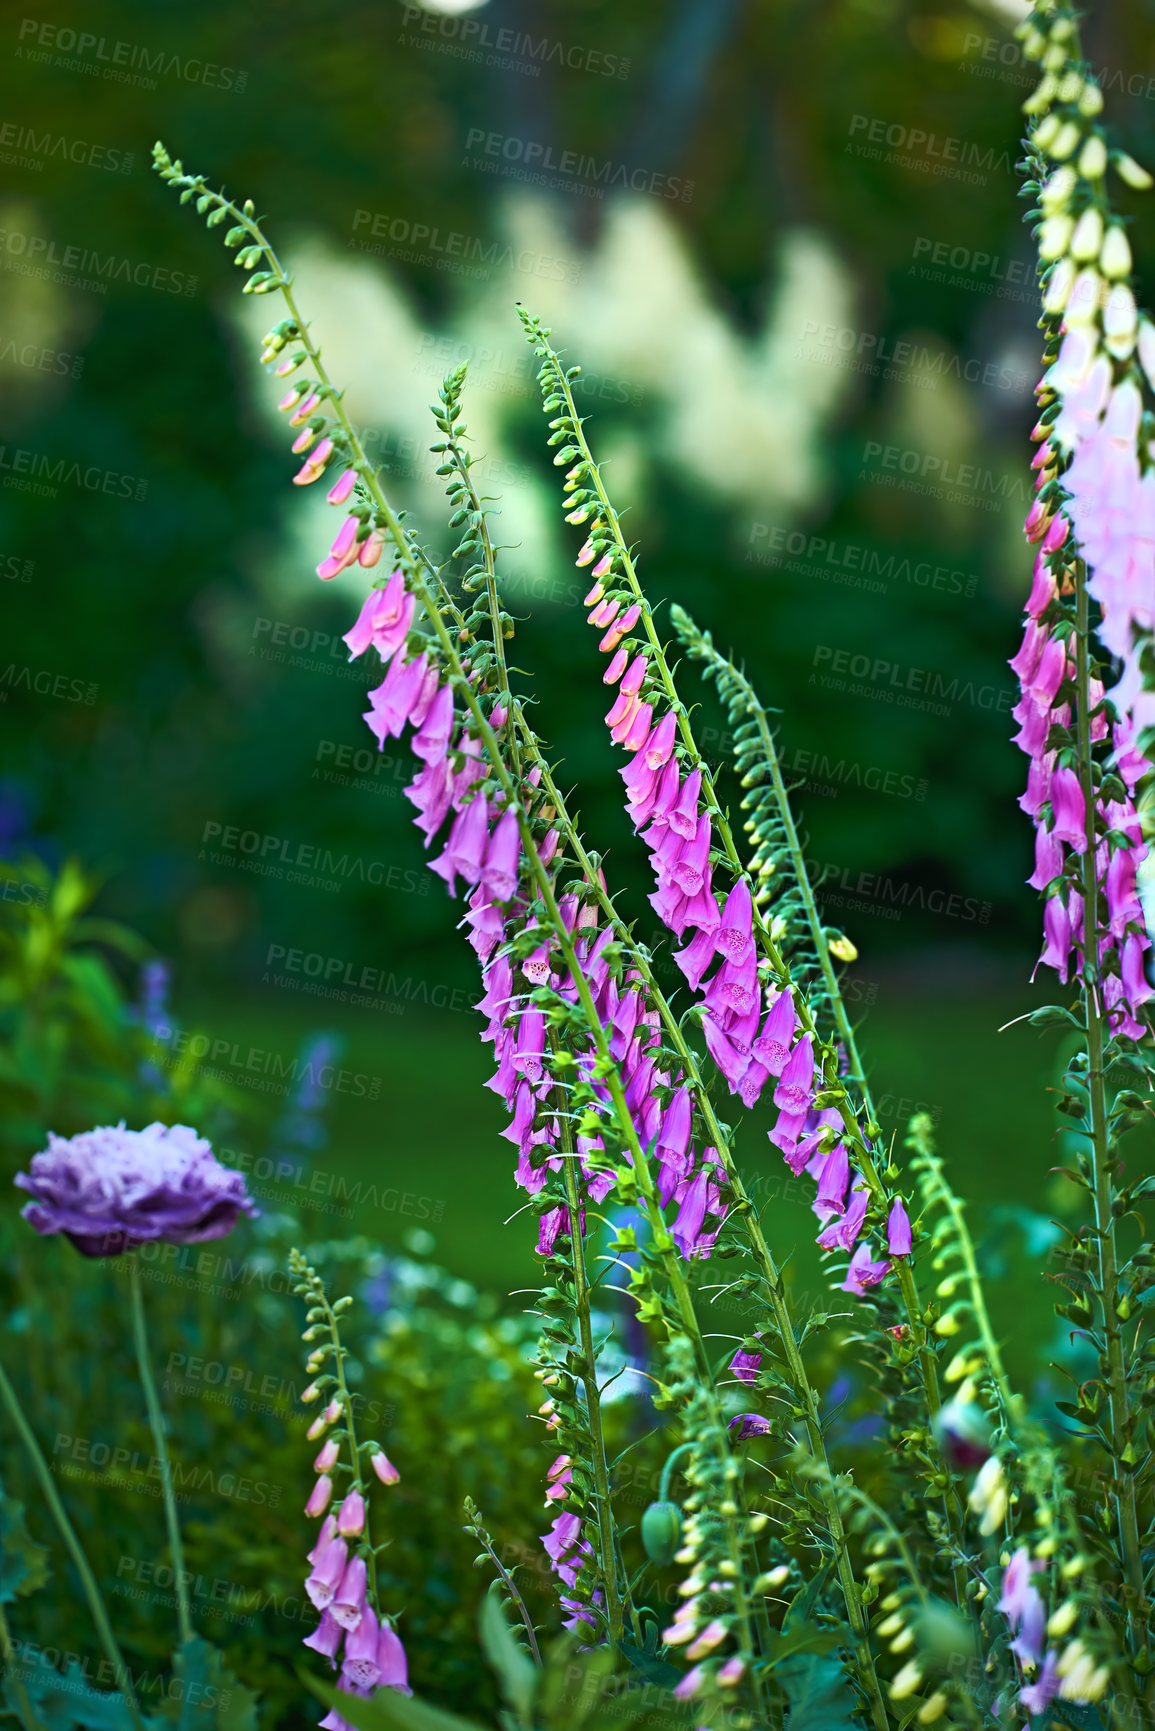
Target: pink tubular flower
[
  {"x": 326, "y": 1638},
  {"x": 898, "y": 1229},
  {"x": 327, "y": 1457},
  {"x": 361, "y": 1665},
  {"x": 328, "y": 1573},
  {"x": 394, "y": 1671},
  {"x": 319, "y": 1501},
  {"x": 864, "y": 1272},
  {"x": 796, "y": 1082},
  {"x": 348, "y": 1602},
  {"x": 351, "y": 1516}
]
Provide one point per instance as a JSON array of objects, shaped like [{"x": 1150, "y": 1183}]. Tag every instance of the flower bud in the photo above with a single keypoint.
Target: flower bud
[
  {"x": 1091, "y": 101},
  {"x": 1088, "y": 236},
  {"x": 384, "y": 1467},
  {"x": 1129, "y": 170},
  {"x": 932, "y": 1708},
  {"x": 1063, "y": 1619},
  {"x": 1115, "y": 253},
  {"x": 1055, "y": 236},
  {"x": 1093, "y": 158},
  {"x": 327, "y": 1458},
  {"x": 319, "y": 1501},
  {"x": 906, "y": 1681},
  {"x": 1065, "y": 141},
  {"x": 351, "y": 1516}
]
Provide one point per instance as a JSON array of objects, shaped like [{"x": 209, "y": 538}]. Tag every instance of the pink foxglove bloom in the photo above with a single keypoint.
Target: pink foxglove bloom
[
  {"x": 384, "y": 1468},
  {"x": 326, "y": 1638},
  {"x": 328, "y": 1573},
  {"x": 319, "y": 1501},
  {"x": 361, "y": 1668},
  {"x": 898, "y": 1229},
  {"x": 351, "y": 1516},
  {"x": 864, "y": 1272},
  {"x": 327, "y": 1457},
  {"x": 391, "y": 1662},
  {"x": 349, "y": 1600}
]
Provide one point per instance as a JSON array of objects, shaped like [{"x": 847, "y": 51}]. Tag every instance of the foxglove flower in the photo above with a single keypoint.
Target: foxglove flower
[{"x": 108, "y": 1190}]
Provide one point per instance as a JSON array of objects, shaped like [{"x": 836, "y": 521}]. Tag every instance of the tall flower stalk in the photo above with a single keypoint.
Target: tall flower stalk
[{"x": 612, "y": 1102}]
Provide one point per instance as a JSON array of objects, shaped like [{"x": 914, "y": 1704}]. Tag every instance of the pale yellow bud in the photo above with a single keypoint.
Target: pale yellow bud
[
  {"x": 932, "y": 1708},
  {"x": 1062, "y": 1620},
  {"x": 1088, "y": 236},
  {"x": 1056, "y": 191},
  {"x": 1115, "y": 253},
  {"x": 1093, "y": 158},
  {"x": 1066, "y": 141},
  {"x": 906, "y": 1682},
  {"x": 1129, "y": 170},
  {"x": 1091, "y": 101},
  {"x": 1055, "y": 236}
]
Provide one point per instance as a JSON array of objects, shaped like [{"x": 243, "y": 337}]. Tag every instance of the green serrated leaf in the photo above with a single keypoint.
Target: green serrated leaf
[
  {"x": 23, "y": 1563},
  {"x": 209, "y": 1697},
  {"x": 64, "y": 1700},
  {"x": 388, "y": 1710},
  {"x": 516, "y": 1672}
]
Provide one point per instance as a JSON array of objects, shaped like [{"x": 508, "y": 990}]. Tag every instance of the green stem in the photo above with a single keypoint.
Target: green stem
[
  {"x": 24, "y": 1709},
  {"x": 663, "y": 1244},
  {"x": 156, "y": 1420},
  {"x": 1124, "y": 1484},
  {"x": 67, "y": 1532},
  {"x": 589, "y": 1376},
  {"x": 366, "y": 1541}
]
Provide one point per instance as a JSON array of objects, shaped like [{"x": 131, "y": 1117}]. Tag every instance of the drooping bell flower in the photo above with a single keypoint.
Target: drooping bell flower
[
  {"x": 361, "y": 1666},
  {"x": 349, "y": 1600},
  {"x": 391, "y": 1661},
  {"x": 772, "y": 1047},
  {"x": 898, "y": 1229},
  {"x": 864, "y": 1272},
  {"x": 687, "y": 1228},
  {"x": 432, "y": 741},
  {"x": 326, "y": 1638},
  {"x": 834, "y": 1180},
  {"x": 328, "y": 1574},
  {"x": 319, "y": 1500},
  {"x": 793, "y": 1092},
  {"x": 735, "y": 936},
  {"x": 842, "y": 1234},
  {"x": 351, "y": 1516},
  {"x": 465, "y": 849},
  {"x": 384, "y": 621},
  {"x": 745, "y": 1366},
  {"x": 502, "y": 856}
]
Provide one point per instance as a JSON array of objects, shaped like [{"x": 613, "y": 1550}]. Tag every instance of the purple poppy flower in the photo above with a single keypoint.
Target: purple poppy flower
[{"x": 110, "y": 1189}]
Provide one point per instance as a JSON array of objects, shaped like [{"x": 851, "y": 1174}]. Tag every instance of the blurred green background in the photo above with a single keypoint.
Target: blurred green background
[{"x": 784, "y": 242}]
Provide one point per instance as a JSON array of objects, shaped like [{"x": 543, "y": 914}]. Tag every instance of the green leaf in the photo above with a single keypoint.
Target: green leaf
[
  {"x": 1077, "y": 1713},
  {"x": 820, "y": 1696},
  {"x": 802, "y": 1638},
  {"x": 64, "y": 1700},
  {"x": 388, "y": 1710},
  {"x": 23, "y": 1563},
  {"x": 205, "y": 1696},
  {"x": 516, "y": 1671}
]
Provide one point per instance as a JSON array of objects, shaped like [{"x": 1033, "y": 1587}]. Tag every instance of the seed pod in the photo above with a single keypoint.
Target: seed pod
[{"x": 662, "y": 1531}]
